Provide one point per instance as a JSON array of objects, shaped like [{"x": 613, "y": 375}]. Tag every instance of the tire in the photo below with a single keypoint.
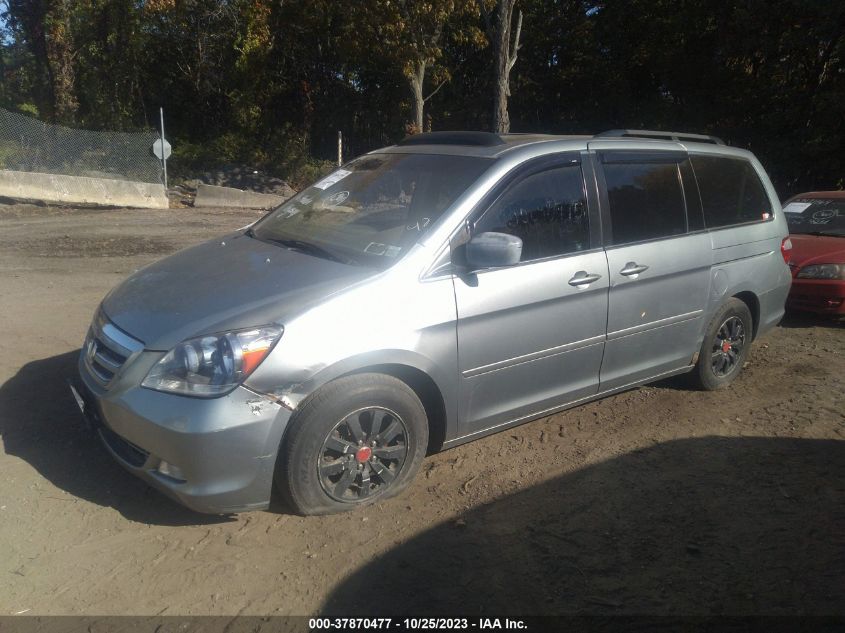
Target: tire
[
  {"x": 327, "y": 464},
  {"x": 726, "y": 345}
]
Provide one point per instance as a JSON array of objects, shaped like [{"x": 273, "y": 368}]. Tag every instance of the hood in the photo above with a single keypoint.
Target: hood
[
  {"x": 227, "y": 283},
  {"x": 816, "y": 249}
]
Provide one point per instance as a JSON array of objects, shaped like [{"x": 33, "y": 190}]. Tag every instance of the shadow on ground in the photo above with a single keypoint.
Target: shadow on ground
[
  {"x": 710, "y": 526},
  {"x": 808, "y": 319},
  {"x": 40, "y": 423}
]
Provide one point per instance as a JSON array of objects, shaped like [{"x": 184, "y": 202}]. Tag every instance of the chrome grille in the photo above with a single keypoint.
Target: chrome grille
[{"x": 107, "y": 349}]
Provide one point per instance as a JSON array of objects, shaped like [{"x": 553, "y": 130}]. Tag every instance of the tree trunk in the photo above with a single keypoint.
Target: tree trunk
[
  {"x": 499, "y": 32},
  {"x": 501, "y": 120},
  {"x": 60, "y": 60},
  {"x": 416, "y": 80},
  {"x": 307, "y": 114}
]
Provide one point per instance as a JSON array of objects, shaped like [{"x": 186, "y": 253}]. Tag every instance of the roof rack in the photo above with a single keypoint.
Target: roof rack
[
  {"x": 479, "y": 139},
  {"x": 663, "y": 136}
]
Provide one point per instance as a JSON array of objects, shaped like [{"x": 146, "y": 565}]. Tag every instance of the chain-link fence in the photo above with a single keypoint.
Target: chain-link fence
[{"x": 30, "y": 145}]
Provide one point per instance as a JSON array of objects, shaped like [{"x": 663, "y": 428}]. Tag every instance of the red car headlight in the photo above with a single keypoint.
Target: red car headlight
[{"x": 822, "y": 271}]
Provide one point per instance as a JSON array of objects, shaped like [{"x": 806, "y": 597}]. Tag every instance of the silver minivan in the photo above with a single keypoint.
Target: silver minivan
[{"x": 427, "y": 294}]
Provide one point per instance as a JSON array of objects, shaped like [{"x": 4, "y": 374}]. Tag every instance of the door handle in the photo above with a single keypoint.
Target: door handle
[
  {"x": 582, "y": 279},
  {"x": 632, "y": 269}
]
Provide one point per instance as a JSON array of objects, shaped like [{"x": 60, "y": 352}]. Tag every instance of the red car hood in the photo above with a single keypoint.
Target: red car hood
[{"x": 816, "y": 249}]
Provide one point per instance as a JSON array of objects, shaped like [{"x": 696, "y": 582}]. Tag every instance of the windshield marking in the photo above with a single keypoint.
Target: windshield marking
[
  {"x": 824, "y": 216},
  {"x": 821, "y": 216},
  {"x": 418, "y": 226},
  {"x": 796, "y": 207},
  {"x": 332, "y": 178},
  {"x": 335, "y": 199},
  {"x": 375, "y": 248}
]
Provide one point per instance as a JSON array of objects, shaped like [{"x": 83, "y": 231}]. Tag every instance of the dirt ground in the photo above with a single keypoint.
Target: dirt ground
[{"x": 657, "y": 501}]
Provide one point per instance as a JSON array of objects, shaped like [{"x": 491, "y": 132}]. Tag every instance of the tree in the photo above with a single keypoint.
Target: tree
[
  {"x": 27, "y": 22},
  {"x": 410, "y": 35},
  {"x": 497, "y": 24},
  {"x": 60, "y": 54},
  {"x": 268, "y": 83}
]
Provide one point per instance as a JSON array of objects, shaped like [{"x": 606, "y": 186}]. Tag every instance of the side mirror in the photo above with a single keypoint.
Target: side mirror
[{"x": 492, "y": 250}]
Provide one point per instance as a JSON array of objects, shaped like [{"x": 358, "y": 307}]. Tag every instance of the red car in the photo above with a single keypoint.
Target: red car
[{"x": 817, "y": 231}]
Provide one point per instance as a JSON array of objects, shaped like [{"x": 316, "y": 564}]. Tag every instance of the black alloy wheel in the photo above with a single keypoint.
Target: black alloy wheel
[
  {"x": 363, "y": 454},
  {"x": 358, "y": 439},
  {"x": 727, "y": 346}
]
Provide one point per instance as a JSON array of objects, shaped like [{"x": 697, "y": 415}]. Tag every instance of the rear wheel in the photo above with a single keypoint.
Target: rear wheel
[
  {"x": 359, "y": 439},
  {"x": 725, "y": 347}
]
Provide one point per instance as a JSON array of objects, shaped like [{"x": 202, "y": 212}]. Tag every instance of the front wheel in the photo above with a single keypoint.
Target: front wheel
[
  {"x": 725, "y": 347},
  {"x": 359, "y": 439}
]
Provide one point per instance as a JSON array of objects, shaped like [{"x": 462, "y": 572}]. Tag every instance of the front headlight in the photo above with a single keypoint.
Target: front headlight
[
  {"x": 822, "y": 271},
  {"x": 212, "y": 365}
]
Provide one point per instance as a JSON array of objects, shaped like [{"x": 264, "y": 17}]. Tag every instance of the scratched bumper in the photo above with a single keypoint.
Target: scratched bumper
[{"x": 225, "y": 447}]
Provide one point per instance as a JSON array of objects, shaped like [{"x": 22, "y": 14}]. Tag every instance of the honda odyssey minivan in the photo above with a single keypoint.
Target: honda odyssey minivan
[{"x": 425, "y": 295}]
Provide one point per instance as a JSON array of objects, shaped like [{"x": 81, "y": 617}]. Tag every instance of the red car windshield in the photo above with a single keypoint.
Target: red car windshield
[{"x": 816, "y": 216}]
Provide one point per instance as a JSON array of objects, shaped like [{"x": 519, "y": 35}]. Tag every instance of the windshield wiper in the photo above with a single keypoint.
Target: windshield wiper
[
  {"x": 308, "y": 248},
  {"x": 302, "y": 246}
]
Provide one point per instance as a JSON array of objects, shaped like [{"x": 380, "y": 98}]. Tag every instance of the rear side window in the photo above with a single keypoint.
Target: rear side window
[
  {"x": 546, "y": 210},
  {"x": 731, "y": 191},
  {"x": 646, "y": 200}
]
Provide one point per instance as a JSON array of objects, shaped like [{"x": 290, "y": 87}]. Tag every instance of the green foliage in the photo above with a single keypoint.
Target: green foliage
[
  {"x": 29, "y": 109},
  {"x": 287, "y": 158},
  {"x": 268, "y": 84}
]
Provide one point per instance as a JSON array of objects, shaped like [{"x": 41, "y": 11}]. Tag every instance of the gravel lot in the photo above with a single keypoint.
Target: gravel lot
[{"x": 659, "y": 500}]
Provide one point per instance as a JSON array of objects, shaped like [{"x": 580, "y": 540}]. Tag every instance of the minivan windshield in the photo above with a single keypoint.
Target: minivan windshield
[
  {"x": 816, "y": 216},
  {"x": 372, "y": 210}
]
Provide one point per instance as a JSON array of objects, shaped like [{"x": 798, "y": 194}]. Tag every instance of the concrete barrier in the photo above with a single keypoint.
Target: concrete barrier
[
  {"x": 214, "y": 196},
  {"x": 81, "y": 190}
]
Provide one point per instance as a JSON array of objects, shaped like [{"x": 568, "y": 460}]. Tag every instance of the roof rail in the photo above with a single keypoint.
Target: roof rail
[
  {"x": 481, "y": 139},
  {"x": 659, "y": 135}
]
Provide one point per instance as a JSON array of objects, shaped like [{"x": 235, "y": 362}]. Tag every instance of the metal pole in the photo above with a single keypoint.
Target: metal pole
[
  {"x": 163, "y": 159},
  {"x": 339, "y": 148}
]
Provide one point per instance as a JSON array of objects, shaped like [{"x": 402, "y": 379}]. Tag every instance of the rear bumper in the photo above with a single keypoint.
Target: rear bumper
[
  {"x": 224, "y": 447},
  {"x": 821, "y": 296}
]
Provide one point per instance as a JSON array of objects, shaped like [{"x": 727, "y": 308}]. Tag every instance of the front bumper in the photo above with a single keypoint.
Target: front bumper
[
  {"x": 224, "y": 447},
  {"x": 821, "y": 296}
]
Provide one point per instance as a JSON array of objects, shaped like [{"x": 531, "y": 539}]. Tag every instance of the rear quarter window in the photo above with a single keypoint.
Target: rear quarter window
[{"x": 731, "y": 191}]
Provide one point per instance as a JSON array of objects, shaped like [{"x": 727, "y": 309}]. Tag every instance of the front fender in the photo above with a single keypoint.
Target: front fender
[{"x": 292, "y": 395}]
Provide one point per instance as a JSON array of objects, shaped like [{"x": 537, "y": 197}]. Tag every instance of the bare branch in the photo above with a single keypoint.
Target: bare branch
[
  {"x": 507, "y": 16},
  {"x": 516, "y": 45},
  {"x": 434, "y": 92}
]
